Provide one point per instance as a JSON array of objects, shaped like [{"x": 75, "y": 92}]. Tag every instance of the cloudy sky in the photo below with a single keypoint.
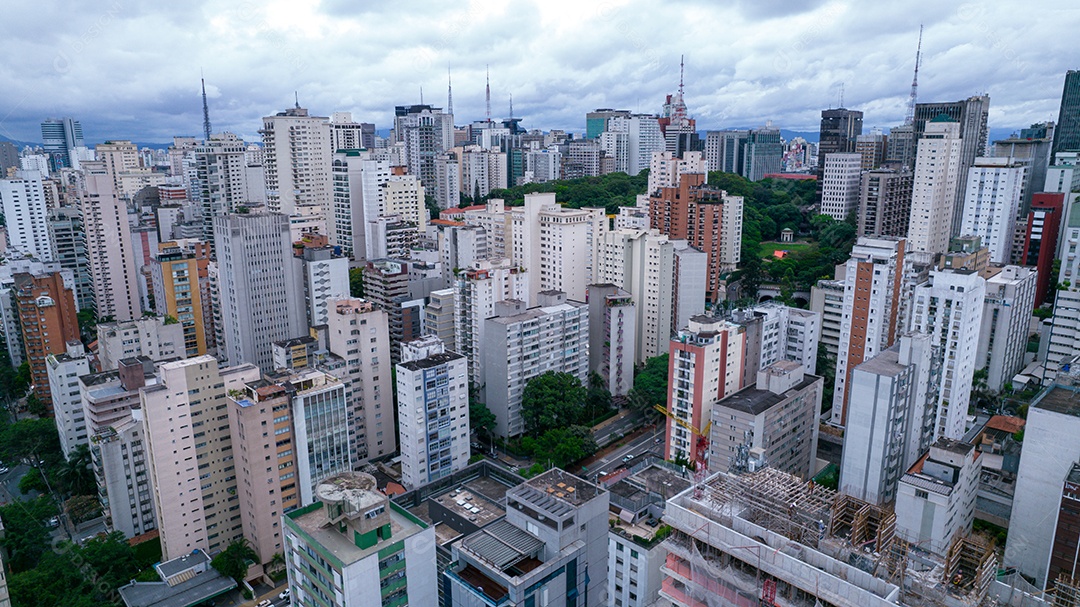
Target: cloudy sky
[{"x": 130, "y": 70}]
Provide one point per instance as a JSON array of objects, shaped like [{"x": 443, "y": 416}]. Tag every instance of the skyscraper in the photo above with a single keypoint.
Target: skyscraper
[
  {"x": 840, "y": 186},
  {"x": 885, "y": 203},
  {"x": 22, "y": 201},
  {"x": 68, "y": 237},
  {"x": 428, "y": 133},
  {"x": 108, "y": 243},
  {"x": 991, "y": 201},
  {"x": 934, "y": 192},
  {"x": 762, "y": 153},
  {"x": 261, "y": 291},
  {"x": 724, "y": 150},
  {"x": 297, "y": 158},
  {"x": 221, "y": 171},
  {"x": 1067, "y": 131},
  {"x": 60, "y": 137},
  {"x": 840, "y": 128}
]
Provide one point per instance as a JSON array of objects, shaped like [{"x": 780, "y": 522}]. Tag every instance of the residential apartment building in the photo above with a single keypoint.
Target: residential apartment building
[
  {"x": 1041, "y": 235},
  {"x": 22, "y": 200},
  {"x": 521, "y": 343},
  {"x": 108, "y": 243},
  {"x": 297, "y": 159},
  {"x": 991, "y": 204},
  {"x": 556, "y": 245},
  {"x": 476, "y": 291},
  {"x": 150, "y": 336},
  {"x": 1006, "y": 322},
  {"x": 222, "y": 179},
  {"x": 935, "y": 499},
  {"x": 612, "y": 337},
  {"x": 180, "y": 274},
  {"x": 64, "y": 371},
  {"x": 885, "y": 203},
  {"x": 938, "y": 170},
  {"x": 841, "y": 184},
  {"x": 45, "y": 307},
  {"x": 68, "y": 236}
]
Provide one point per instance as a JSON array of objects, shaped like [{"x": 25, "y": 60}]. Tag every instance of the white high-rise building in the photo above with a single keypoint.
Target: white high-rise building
[
  {"x": 643, "y": 137},
  {"x": 521, "y": 343},
  {"x": 482, "y": 170},
  {"x": 933, "y": 198},
  {"x": 476, "y": 291},
  {"x": 297, "y": 159},
  {"x": 616, "y": 145},
  {"x": 64, "y": 371},
  {"x": 497, "y": 223},
  {"x": 1006, "y": 322},
  {"x": 360, "y": 335},
  {"x": 260, "y": 290},
  {"x": 428, "y": 133},
  {"x": 22, "y": 201},
  {"x": 148, "y": 336},
  {"x": 872, "y": 294},
  {"x": 557, "y": 245},
  {"x": 542, "y": 164},
  {"x": 358, "y": 180},
  {"x": 934, "y": 518},
  {"x": 348, "y": 135},
  {"x": 325, "y": 275},
  {"x": 665, "y": 169},
  {"x": 827, "y": 300},
  {"x": 433, "y": 411},
  {"x": 841, "y": 185},
  {"x": 221, "y": 172},
  {"x": 786, "y": 333},
  {"x": 889, "y": 423},
  {"x": 949, "y": 308},
  {"x": 108, "y": 245},
  {"x": 991, "y": 204},
  {"x": 194, "y": 482}
]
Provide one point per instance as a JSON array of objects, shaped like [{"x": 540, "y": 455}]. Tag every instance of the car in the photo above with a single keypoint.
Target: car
[
  {"x": 652, "y": 522},
  {"x": 284, "y": 594},
  {"x": 265, "y": 603},
  {"x": 628, "y": 458},
  {"x": 4, "y": 469},
  {"x": 54, "y": 522},
  {"x": 658, "y": 441}
]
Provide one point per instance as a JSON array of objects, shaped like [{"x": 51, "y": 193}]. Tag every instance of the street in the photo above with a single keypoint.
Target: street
[
  {"x": 621, "y": 426},
  {"x": 9, "y": 485},
  {"x": 646, "y": 443}
]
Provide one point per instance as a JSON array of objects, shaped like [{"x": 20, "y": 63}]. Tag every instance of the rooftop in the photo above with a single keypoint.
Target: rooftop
[
  {"x": 505, "y": 547},
  {"x": 1059, "y": 399},
  {"x": 886, "y": 364},
  {"x": 312, "y": 523},
  {"x": 431, "y": 361},
  {"x": 755, "y": 402},
  {"x": 556, "y": 491}
]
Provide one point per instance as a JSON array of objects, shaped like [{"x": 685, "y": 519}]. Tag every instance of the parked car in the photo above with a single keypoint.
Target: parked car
[
  {"x": 284, "y": 594},
  {"x": 265, "y": 603},
  {"x": 4, "y": 469},
  {"x": 54, "y": 522}
]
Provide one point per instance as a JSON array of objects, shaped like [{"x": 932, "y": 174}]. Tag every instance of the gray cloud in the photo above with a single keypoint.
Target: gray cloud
[{"x": 131, "y": 70}]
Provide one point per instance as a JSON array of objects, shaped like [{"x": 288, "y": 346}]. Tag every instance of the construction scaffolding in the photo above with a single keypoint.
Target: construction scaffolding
[
  {"x": 866, "y": 526},
  {"x": 1066, "y": 591}
]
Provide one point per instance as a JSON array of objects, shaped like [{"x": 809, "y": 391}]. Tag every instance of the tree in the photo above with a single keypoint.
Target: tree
[
  {"x": 78, "y": 576},
  {"x": 356, "y": 282},
  {"x": 597, "y": 398},
  {"x": 26, "y": 537},
  {"x": 234, "y": 560},
  {"x": 29, "y": 439},
  {"x": 481, "y": 419},
  {"x": 562, "y": 446},
  {"x": 551, "y": 400},
  {"x": 826, "y": 368},
  {"x": 36, "y": 406},
  {"x": 75, "y": 476},
  {"x": 650, "y": 386}
]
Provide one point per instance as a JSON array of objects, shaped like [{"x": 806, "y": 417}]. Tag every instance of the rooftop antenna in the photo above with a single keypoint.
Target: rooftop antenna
[
  {"x": 421, "y": 94},
  {"x": 205, "y": 109},
  {"x": 841, "y": 95},
  {"x": 681, "y": 57},
  {"x": 449, "y": 93},
  {"x": 910, "y": 118},
  {"x": 511, "y": 106},
  {"x": 487, "y": 90},
  {"x": 296, "y": 96}
]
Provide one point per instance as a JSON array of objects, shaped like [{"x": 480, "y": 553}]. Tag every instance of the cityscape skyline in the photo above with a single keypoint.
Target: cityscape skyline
[{"x": 782, "y": 69}]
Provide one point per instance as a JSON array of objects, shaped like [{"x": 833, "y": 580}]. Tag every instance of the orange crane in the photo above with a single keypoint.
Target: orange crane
[{"x": 701, "y": 461}]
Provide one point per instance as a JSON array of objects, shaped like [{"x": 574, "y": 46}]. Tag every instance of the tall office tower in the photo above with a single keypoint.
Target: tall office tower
[
  {"x": 264, "y": 455},
  {"x": 569, "y": 560},
  {"x": 872, "y": 299},
  {"x": 521, "y": 343},
  {"x": 762, "y": 153},
  {"x": 840, "y": 128},
  {"x": 556, "y": 244},
  {"x": 890, "y": 423},
  {"x": 664, "y": 279},
  {"x": 709, "y": 219},
  {"x": 1041, "y": 239},
  {"x": 596, "y": 121},
  {"x": 260, "y": 286},
  {"x": 841, "y": 185},
  {"x": 324, "y": 273},
  {"x": 114, "y": 421},
  {"x": 184, "y": 458},
  {"x": 970, "y": 115},
  {"x": 296, "y": 160},
  {"x": 359, "y": 180},
  {"x": 872, "y": 148},
  {"x": 949, "y": 308},
  {"x": 583, "y": 159},
  {"x": 1010, "y": 293},
  {"x": 221, "y": 172},
  {"x": 724, "y": 150},
  {"x": 181, "y": 278},
  {"x": 775, "y": 332},
  {"x": 46, "y": 309},
  {"x": 64, "y": 371},
  {"x": 386, "y": 284},
  {"x": 476, "y": 291},
  {"x": 60, "y": 137},
  {"x": 884, "y": 203},
  {"x": 612, "y": 337},
  {"x": 900, "y": 148},
  {"x": 433, "y": 411},
  {"x": 665, "y": 169},
  {"x": 68, "y": 238},
  {"x": 705, "y": 365},
  {"x": 991, "y": 204},
  {"x": 428, "y": 133},
  {"x": 348, "y": 135},
  {"x": 22, "y": 201},
  {"x": 1031, "y": 149},
  {"x": 772, "y": 422},
  {"x": 934, "y": 519},
  {"x": 1050, "y": 450},
  {"x": 382, "y": 554},
  {"x": 827, "y": 301},
  {"x": 150, "y": 336},
  {"x": 360, "y": 335},
  {"x": 938, "y": 165},
  {"x": 108, "y": 243},
  {"x": 643, "y": 137},
  {"x": 1067, "y": 130}
]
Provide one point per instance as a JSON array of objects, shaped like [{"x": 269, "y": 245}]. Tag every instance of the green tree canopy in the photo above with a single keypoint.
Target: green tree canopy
[
  {"x": 562, "y": 446},
  {"x": 551, "y": 400},
  {"x": 78, "y": 576},
  {"x": 234, "y": 560},
  {"x": 481, "y": 419},
  {"x": 356, "y": 282},
  {"x": 650, "y": 385}
]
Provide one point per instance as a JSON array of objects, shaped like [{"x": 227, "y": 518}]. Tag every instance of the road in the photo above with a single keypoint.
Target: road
[
  {"x": 627, "y": 424},
  {"x": 9, "y": 485},
  {"x": 644, "y": 444}
]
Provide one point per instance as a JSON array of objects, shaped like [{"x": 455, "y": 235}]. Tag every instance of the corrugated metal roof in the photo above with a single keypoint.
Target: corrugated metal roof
[{"x": 502, "y": 544}]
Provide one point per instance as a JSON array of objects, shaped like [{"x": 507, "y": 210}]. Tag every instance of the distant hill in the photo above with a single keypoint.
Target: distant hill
[{"x": 20, "y": 144}]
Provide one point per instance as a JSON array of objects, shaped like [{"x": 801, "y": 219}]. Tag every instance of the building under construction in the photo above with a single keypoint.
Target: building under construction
[{"x": 770, "y": 538}]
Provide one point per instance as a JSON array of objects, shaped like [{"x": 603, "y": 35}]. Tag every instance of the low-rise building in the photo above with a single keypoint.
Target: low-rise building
[{"x": 935, "y": 500}]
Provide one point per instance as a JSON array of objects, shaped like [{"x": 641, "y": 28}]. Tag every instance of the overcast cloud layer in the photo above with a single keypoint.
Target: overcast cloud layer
[{"x": 130, "y": 70}]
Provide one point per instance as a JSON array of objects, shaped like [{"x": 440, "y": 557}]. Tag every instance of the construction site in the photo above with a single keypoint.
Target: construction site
[{"x": 771, "y": 538}]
